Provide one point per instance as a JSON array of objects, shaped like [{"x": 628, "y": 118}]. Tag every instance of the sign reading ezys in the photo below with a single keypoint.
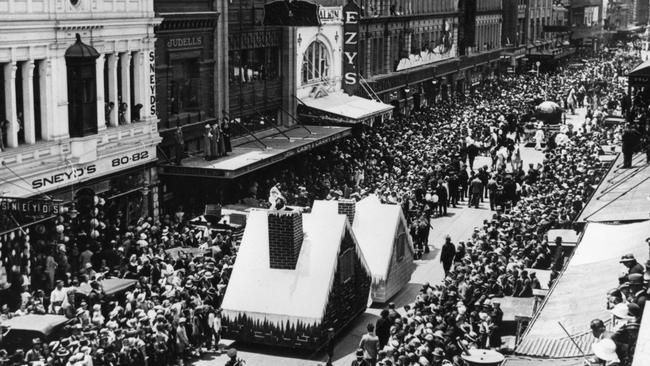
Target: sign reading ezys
[
  {"x": 75, "y": 174},
  {"x": 351, "y": 12}
]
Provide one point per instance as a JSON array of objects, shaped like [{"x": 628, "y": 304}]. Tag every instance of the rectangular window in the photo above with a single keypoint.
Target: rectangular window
[
  {"x": 400, "y": 244},
  {"x": 185, "y": 87},
  {"x": 251, "y": 65},
  {"x": 346, "y": 265}
]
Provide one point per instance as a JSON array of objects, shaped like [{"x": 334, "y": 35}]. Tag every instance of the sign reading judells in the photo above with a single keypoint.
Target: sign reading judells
[{"x": 351, "y": 13}]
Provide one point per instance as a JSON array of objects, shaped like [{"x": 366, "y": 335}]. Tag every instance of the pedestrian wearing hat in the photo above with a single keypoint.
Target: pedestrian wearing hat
[
  {"x": 207, "y": 138},
  {"x": 631, "y": 264},
  {"x": 382, "y": 327},
  {"x": 638, "y": 292},
  {"x": 447, "y": 255},
  {"x": 476, "y": 192},
  {"x": 36, "y": 352},
  {"x": 360, "y": 360},
  {"x": 232, "y": 358}
]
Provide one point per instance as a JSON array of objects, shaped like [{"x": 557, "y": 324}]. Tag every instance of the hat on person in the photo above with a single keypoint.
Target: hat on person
[
  {"x": 633, "y": 309},
  {"x": 62, "y": 352},
  {"x": 36, "y": 341},
  {"x": 232, "y": 352},
  {"x": 605, "y": 349},
  {"x": 627, "y": 258},
  {"x": 359, "y": 353},
  {"x": 620, "y": 311},
  {"x": 438, "y": 352}
]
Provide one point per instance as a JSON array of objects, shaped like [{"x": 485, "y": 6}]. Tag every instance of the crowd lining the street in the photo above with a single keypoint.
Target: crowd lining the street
[{"x": 424, "y": 162}]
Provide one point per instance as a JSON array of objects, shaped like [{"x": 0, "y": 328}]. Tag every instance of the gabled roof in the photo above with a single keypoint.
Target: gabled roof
[
  {"x": 375, "y": 227},
  {"x": 279, "y": 295}
]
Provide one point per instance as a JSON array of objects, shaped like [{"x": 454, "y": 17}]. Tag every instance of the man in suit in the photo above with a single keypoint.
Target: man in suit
[
  {"x": 454, "y": 187},
  {"x": 447, "y": 255},
  {"x": 632, "y": 265},
  {"x": 475, "y": 191},
  {"x": 631, "y": 143},
  {"x": 441, "y": 191},
  {"x": 179, "y": 145}
]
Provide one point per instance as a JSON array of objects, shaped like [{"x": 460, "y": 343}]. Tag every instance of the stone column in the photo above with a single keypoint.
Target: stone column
[
  {"x": 28, "y": 101},
  {"x": 125, "y": 65},
  {"x": 46, "y": 101},
  {"x": 99, "y": 81},
  {"x": 60, "y": 93},
  {"x": 10, "y": 103},
  {"x": 112, "y": 88},
  {"x": 138, "y": 81}
]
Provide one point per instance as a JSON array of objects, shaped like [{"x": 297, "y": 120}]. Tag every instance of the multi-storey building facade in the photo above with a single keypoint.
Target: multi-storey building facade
[
  {"x": 190, "y": 68},
  {"x": 78, "y": 101},
  {"x": 586, "y": 18},
  {"x": 400, "y": 45},
  {"x": 255, "y": 61}
]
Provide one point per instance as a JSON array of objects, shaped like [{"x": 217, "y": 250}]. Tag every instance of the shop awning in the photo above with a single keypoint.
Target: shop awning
[
  {"x": 266, "y": 149},
  {"x": 640, "y": 76},
  {"x": 350, "y": 108},
  {"x": 621, "y": 196},
  {"x": 578, "y": 296}
]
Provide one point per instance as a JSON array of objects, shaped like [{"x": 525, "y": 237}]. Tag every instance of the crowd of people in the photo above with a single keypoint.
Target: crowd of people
[
  {"x": 424, "y": 162},
  {"x": 616, "y": 346},
  {"x": 168, "y": 312}
]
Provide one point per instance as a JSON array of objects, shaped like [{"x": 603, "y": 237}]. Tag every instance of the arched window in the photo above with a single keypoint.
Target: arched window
[
  {"x": 315, "y": 63},
  {"x": 82, "y": 97}
]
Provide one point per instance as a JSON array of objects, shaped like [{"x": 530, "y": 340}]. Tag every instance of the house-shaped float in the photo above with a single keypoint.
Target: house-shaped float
[
  {"x": 383, "y": 236},
  {"x": 296, "y": 276}
]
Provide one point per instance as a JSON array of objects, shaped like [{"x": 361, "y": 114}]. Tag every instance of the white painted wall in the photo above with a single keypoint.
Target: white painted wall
[{"x": 331, "y": 35}]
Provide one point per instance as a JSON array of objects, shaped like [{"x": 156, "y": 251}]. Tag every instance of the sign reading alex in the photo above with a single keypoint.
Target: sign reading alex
[
  {"x": 66, "y": 175},
  {"x": 351, "y": 13},
  {"x": 30, "y": 206}
]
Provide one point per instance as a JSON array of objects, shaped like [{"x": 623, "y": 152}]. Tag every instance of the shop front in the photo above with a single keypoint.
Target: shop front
[
  {"x": 113, "y": 177},
  {"x": 185, "y": 76}
]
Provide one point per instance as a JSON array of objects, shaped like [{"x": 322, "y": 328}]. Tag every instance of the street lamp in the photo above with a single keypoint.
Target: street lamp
[{"x": 538, "y": 64}]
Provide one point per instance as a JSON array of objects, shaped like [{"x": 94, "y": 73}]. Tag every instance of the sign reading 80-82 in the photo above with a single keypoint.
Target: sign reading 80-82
[{"x": 126, "y": 159}]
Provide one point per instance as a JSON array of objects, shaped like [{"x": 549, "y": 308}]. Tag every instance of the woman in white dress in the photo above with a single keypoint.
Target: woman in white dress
[{"x": 539, "y": 138}]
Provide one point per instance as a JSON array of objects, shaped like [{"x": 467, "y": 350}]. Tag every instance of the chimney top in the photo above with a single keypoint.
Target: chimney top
[
  {"x": 285, "y": 238},
  {"x": 347, "y": 207}
]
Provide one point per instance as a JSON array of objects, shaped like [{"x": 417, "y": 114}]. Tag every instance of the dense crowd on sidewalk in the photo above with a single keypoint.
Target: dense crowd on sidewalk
[
  {"x": 419, "y": 162},
  {"x": 616, "y": 346}
]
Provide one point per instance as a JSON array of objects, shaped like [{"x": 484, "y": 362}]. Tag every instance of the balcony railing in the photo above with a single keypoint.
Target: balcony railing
[{"x": 27, "y": 157}]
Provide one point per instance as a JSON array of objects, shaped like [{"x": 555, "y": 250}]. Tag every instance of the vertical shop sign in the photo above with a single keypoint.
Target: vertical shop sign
[
  {"x": 351, "y": 13},
  {"x": 152, "y": 83}
]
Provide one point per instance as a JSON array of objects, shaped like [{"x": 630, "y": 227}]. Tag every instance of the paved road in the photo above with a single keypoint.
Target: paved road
[{"x": 459, "y": 224}]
